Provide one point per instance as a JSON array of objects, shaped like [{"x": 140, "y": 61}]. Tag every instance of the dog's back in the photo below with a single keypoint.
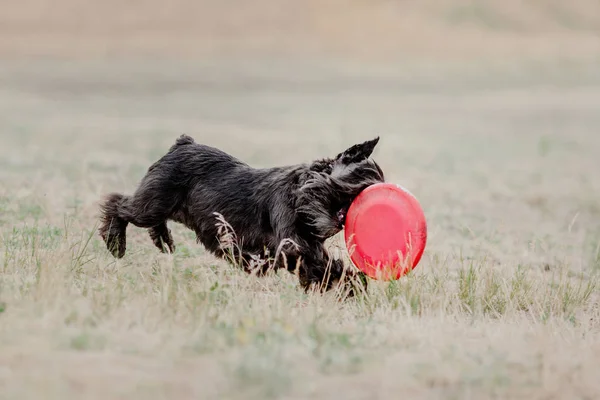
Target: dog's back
[{"x": 182, "y": 141}]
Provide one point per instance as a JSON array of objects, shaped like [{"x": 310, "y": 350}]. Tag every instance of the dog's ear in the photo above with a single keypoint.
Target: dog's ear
[{"x": 358, "y": 152}]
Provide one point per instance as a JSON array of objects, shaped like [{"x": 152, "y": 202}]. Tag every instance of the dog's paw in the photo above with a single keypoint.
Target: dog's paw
[
  {"x": 356, "y": 283},
  {"x": 168, "y": 248},
  {"x": 348, "y": 280},
  {"x": 162, "y": 239},
  {"x": 115, "y": 244}
]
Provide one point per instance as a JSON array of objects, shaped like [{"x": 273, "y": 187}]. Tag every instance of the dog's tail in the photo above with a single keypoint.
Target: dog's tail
[
  {"x": 182, "y": 141},
  {"x": 113, "y": 227}
]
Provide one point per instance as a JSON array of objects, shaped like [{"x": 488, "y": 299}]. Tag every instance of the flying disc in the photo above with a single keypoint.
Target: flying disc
[{"x": 385, "y": 231}]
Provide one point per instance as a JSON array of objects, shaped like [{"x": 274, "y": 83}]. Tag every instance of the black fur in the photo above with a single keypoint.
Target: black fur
[{"x": 287, "y": 212}]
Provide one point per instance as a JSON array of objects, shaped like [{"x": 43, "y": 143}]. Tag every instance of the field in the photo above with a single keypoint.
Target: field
[{"x": 495, "y": 131}]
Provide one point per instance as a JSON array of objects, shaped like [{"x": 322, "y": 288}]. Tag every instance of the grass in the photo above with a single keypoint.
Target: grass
[
  {"x": 60, "y": 293},
  {"x": 505, "y": 303}
]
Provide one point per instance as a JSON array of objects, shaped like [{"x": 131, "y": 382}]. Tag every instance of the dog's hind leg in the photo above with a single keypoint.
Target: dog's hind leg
[
  {"x": 161, "y": 237},
  {"x": 150, "y": 207},
  {"x": 113, "y": 227}
]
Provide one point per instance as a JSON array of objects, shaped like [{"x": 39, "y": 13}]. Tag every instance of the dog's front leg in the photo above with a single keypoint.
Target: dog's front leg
[{"x": 317, "y": 269}]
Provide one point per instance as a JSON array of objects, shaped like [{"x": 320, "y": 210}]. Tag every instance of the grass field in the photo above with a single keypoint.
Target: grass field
[{"x": 502, "y": 155}]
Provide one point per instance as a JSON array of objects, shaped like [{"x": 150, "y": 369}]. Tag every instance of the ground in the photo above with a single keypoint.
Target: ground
[{"x": 495, "y": 132}]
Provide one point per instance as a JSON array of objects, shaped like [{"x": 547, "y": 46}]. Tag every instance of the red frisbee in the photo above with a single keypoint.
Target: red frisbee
[{"x": 385, "y": 231}]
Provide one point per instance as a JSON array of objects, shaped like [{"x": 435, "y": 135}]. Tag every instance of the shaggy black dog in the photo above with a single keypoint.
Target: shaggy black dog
[{"x": 284, "y": 214}]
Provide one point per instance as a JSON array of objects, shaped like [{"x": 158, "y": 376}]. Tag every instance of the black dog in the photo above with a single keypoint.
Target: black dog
[{"x": 283, "y": 212}]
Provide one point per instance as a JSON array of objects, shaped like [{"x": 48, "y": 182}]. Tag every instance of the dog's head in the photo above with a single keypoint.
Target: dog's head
[{"x": 333, "y": 184}]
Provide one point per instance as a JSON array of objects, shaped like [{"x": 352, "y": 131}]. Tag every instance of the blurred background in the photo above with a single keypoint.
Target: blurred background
[
  {"x": 485, "y": 108},
  {"x": 367, "y": 31}
]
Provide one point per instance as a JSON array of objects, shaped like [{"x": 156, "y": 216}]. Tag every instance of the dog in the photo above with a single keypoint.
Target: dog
[{"x": 285, "y": 213}]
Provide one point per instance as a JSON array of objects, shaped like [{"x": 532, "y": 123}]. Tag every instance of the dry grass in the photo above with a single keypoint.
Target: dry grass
[{"x": 503, "y": 156}]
